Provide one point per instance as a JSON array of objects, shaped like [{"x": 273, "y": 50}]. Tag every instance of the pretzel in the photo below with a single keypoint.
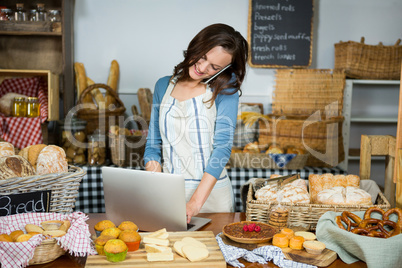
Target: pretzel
[
  {"x": 369, "y": 224},
  {"x": 350, "y": 219},
  {"x": 396, "y": 229},
  {"x": 396, "y": 211},
  {"x": 367, "y": 214},
  {"x": 338, "y": 220}
]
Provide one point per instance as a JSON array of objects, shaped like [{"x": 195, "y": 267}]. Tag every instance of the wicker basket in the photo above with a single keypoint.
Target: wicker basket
[
  {"x": 103, "y": 118},
  {"x": 369, "y": 61},
  {"x": 302, "y": 92},
  {"x": 46, "y": 252},
  {"x": 63, "y": 186},
  {"x": 127, "y": 151},
  {"x": 321, "y": 138},
  {"x": 302, "y": 214},
  {"x": 254, "y": 160}
]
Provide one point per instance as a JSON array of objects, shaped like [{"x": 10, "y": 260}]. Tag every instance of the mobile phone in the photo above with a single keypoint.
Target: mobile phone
[{"x": 215, "y": 75}]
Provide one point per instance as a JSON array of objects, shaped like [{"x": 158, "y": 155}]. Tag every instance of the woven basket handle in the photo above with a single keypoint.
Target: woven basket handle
[
  {"x": 108, "y": 89},
  {"x": 397, "y": 42}
]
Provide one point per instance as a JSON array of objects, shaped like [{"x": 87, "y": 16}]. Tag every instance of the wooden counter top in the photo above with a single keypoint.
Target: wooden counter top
[{"x": 218, "y": 220}]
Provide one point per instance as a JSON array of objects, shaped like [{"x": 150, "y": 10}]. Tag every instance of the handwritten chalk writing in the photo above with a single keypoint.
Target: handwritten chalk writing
[
  {"x": 263, "y": 28},
  {"x": 286, "y": 56},
  {"x": 24, "y": 203},
  {"x": 280, "y": 33},
  {"x": 259, "y": 16}
]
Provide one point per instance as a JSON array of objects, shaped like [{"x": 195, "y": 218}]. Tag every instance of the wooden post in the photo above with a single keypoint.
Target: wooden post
[
  {"x": 365, "y": 157},
  {"x": 398, "y": 152}
]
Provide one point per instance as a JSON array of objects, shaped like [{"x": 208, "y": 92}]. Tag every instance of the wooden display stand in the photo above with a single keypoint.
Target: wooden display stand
[
  {"x": 398, "y": 152},
  {"x": 375, "y": 145}
]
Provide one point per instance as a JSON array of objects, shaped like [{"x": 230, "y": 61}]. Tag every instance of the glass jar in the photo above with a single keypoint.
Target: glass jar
[
  {"x": 97, "y": 149},
  {"x": 73, "y": 140},
  {"x": 6, "y": 14},
  {"x": 33, "y": 107},
  {"x": 54, "y": 15},
  {"x": 40, "y": 12},
  {"x": 32, "y": 15},
  {"x": 20, "y": 13},
  {"x": 19, "y": 108}
]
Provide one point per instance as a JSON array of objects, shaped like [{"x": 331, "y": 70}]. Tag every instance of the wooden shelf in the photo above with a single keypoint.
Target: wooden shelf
[{"x": 30, "y": 33}]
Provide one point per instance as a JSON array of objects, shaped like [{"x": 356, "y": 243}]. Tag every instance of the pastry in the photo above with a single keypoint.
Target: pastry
[
  {"x": 51, "y": 225},
  {"x": 288, "y": 232},
  {"x": 6, "y": 149},
  {"x": 308, "y": 236},
  {"x": 113, "y": 231},
  {"x": 251, "y": 147},
  {"x": 5, "y": 238},
  {"x": 289, "y": 193},
  {"x": 294, "y": 150},
  {"x": 51, "y": 159},
  {"x": 33, "y": 228},
  {"x": 23, "y": 238},
  {"x": 280, "y": 240},
  {"x": 344, "y": 196},
  {"x": 102, "y": 225},
  {"x": 296, "y": 242},
  {"x": 128, "y": 225},
  {"x": 317, "y": 182},
  {"x": 274, "y": 149},
  {"x": 100, "y": 243},
  {"x": 15, "y": 166},
  {"x": 115, "y": 250},
  {"x": 15, "y": 234},
  {"x": 314, "y": 247}
]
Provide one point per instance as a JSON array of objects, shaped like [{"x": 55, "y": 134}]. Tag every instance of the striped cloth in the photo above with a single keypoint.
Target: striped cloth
[
  {"x": 261, "y": 255},
  {"x": 77, "y": 241}
]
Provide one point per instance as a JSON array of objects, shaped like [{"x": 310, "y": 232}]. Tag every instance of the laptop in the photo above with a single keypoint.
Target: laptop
[{"x": 152, "y": 200}]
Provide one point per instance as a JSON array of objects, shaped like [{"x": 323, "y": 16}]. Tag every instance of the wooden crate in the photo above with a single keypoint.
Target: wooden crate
[{"x": 52, "y": 84}]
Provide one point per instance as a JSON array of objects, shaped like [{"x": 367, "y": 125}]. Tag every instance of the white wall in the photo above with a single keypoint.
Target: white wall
[{"x": 147, "y": 37}]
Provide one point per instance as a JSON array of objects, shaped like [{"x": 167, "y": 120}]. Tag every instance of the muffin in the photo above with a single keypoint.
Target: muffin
[
  {"x": 115, "y": 250},
  {"x": 102, "y": 225},
  {"x": 131, "y": 238},
  {"x": 100, "y": 243},
  {"x": 128, "y": 225},
  {"x": 114, "y": 231}
]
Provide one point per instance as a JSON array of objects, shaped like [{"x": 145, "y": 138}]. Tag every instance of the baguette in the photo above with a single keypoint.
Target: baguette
[
  {"x": 112, "y": 82},
  {"x": 97, "y": 95},
  {"x": 81, "y": 81},
  {"x": 145, "y": 101}
]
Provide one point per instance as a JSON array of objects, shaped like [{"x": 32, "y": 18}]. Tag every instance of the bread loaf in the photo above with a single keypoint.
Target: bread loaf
[
  {"x": 97, "y": 95},
  {"x": 6, "y": 102},
  {"x": 317, "y": 182},
  {"x": 81, "y": 82},
  {"x": 112, "y": 82},
  {"x": 145, "y": 101},
  {"x": 251, "y": 147},
  {"x": 6, "y": 149},
  {"x": 344, "y": 196},
  {"x": 289, "y": 193},
  {"x": 15, "y": 166},
  {"x": 52, "y": 159},
  {"x": 31, "y": 153}
]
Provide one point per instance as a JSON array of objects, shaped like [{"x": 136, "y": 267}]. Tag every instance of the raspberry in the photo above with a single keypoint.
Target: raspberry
[
  {"x": 257, "y": 228},
  {"x": 251, "y": 227},
  {"x": 245, "y": 228}
]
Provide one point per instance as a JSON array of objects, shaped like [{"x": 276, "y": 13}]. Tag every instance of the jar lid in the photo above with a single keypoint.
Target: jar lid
[
  {"x": 19, "y": 98},
  {"x": 32, "y": 98},
  {"x": 53, "y": 11}
]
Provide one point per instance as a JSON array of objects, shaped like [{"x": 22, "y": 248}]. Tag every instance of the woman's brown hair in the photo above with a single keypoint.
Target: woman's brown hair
[{"x": 232, "y": 42}]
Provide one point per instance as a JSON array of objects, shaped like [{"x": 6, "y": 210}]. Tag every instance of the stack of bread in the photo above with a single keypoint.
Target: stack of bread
[
  {"x": 33, "y": 160},
  {"x": 326, "y": 189},
  {"x": 96, "y": 99},
  {"x": 255, "y": 147}
]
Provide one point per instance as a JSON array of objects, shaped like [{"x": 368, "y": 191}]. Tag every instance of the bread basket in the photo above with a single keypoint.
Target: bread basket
[{"x": 46, "y": 252}]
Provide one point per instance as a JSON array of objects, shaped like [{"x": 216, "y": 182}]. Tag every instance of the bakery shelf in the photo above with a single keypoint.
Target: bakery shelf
[{"x": 373, "y": 119}]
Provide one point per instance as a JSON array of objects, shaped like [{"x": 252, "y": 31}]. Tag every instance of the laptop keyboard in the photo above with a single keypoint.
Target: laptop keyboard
[{"x": 189, "y": 225}]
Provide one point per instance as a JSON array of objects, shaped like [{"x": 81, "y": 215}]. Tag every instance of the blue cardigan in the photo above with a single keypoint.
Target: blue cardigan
[{"x": 226, "y": 106}]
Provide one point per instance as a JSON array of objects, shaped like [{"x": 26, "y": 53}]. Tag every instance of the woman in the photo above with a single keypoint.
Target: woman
[{"x": 194, "y": 117}]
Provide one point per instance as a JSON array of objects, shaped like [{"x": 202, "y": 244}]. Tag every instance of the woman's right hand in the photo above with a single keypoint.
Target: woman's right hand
[{"x": 153, "y": 166}]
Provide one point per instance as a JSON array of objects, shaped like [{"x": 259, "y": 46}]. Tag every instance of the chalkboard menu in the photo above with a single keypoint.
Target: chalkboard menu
[
  {"x": 25, "y": 203},
  {"x": 280, "y": 33}
]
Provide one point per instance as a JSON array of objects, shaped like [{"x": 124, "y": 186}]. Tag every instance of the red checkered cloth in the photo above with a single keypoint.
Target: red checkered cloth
[
  {"x": 24, "y": 131},
  {"x": 77, "y": 241}
]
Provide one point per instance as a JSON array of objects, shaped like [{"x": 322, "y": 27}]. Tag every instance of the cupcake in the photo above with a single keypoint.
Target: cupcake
[
  {"x": 131, "y": 238},
  {"x": 100, "y": 243},
  {"x": 102, "y": 225},
  {"x": 114, "y": 231},
  {"x": 128, "y": 225},
  {"x": 115, "y": 250}
]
